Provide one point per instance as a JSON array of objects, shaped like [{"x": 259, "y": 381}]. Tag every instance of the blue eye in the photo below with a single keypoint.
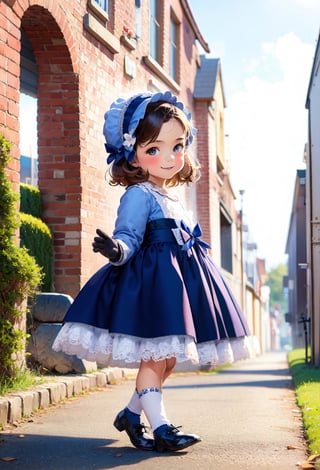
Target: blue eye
[
  {"x": 178, "y": 148},
  {"x": 153, "y": 151}
]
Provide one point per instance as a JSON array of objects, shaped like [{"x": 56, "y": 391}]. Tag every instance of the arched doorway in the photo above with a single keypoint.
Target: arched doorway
[{"x": 58, "y": 139}]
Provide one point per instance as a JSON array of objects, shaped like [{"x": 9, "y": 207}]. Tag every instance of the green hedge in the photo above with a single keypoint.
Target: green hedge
[
  {"x": 35, "y": 235},
  {"x": 30, "y": 200},
  {"x": 19, "y": 275}
]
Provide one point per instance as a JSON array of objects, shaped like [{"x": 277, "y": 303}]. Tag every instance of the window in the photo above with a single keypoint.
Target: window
[
  {"x": 154, "y": 30},
  {"x": 99, "y": 21},
  {"x": 103, "y": 4},
  {"x": 138, "y": 18},
  {"x": 155, "y": 59},
  {"x": 225, "y": 240},
  {"x": 29, "y": 70},
  {"x": 173, "y": 49}
]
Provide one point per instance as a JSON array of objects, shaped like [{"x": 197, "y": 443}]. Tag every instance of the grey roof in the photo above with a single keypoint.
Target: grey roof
[
  {"x": 314, "y": 70},
  {"x": 206, "y": 78}
]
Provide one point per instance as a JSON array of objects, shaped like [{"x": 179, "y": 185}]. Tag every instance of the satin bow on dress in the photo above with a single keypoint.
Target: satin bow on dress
[{"x": 194, "y": 236}]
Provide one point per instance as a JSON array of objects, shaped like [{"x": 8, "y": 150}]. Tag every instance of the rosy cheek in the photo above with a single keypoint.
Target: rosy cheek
[{"x": 152, "y": 162}]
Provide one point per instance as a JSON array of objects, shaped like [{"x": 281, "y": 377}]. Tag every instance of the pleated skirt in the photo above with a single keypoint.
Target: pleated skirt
[{"x": 164, "y": 302}]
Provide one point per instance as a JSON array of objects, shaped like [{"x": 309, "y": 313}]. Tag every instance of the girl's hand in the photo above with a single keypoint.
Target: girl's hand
[{"x": 106, "y": 246}]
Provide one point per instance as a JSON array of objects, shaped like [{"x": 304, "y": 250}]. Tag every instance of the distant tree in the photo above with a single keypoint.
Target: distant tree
[{"x": 275, "y": 282}]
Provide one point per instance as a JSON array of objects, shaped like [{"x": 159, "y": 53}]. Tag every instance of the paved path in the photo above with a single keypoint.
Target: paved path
[{"x": 246, "y": 416}]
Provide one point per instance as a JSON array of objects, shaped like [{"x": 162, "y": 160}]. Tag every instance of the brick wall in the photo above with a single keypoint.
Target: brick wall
[
  {"x": 203, "y": 190},
  {"x": 80, "y": 59}
]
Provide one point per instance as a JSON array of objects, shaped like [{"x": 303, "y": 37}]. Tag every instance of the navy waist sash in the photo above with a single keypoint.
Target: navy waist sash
[{"x": 159, "y": 230}]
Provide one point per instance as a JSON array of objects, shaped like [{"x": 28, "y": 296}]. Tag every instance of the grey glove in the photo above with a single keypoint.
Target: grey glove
[{"x": 106, "y": 246}]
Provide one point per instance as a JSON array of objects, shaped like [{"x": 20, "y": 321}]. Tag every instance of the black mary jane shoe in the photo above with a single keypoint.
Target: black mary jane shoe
[
  {"x": 169, "y": 438},
  {"x": 136, "y": 432}
]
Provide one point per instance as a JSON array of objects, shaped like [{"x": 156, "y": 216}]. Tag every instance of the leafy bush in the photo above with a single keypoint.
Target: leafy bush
[
  {"x": 35, "y": 235},
  {"x": 19, "y": 275},
  {"x": 30, "y": 200}
]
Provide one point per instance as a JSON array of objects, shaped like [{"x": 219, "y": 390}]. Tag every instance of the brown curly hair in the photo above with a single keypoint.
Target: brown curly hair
[{"x": 124, "y": 174}]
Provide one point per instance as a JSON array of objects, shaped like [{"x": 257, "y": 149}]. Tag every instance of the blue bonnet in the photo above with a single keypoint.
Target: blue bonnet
[{"x": 122, "y": 119}]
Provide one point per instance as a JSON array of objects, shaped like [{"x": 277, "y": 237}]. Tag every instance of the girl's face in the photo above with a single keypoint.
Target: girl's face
[{"x": 164, "y": 157}]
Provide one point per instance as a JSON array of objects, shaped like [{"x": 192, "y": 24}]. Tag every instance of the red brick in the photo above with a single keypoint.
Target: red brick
[{"x": 78, "y": 79}]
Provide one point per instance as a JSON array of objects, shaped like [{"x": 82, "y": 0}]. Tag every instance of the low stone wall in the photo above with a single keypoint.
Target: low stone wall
[
  {"x": 20, "y": 405},
  {"x": 47, "y": 313}
]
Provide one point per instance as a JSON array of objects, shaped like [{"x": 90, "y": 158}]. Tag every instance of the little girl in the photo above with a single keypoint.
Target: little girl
[{"x": 160, "y": 299}]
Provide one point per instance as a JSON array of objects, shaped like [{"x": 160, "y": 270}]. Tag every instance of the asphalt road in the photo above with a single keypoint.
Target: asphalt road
[{"x": 246, "y": 416}]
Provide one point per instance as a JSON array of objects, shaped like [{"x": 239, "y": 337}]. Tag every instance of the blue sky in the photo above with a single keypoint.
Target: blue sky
[{"x": 266, "y": 49}]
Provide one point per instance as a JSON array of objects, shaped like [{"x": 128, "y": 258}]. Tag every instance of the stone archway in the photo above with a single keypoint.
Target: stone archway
[{"x": 58, "y": 139}]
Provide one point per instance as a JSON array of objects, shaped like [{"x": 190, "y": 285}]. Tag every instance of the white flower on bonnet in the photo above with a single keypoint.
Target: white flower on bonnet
[{"x": 129, "y": 140}]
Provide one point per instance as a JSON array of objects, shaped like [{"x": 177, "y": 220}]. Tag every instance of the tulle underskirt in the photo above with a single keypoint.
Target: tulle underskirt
[{"x": 98, "y": 345}]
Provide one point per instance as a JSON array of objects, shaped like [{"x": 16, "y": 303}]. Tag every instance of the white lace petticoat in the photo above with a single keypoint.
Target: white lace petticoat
[{"x": 98, "y": 345}]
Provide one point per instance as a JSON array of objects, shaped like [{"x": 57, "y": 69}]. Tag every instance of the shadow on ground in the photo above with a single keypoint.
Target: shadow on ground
[{"x": 39, "y": 452}]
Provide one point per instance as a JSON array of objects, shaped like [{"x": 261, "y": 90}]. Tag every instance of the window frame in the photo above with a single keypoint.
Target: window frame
[
  {"x": 154, "y": 30},
  {"x": 174, "y": 48},
  {"x": 226, "y": 239},
  {"x": 104, "y": 7}
]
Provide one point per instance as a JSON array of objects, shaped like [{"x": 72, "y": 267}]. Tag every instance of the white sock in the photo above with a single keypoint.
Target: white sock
[
  {"x": 153, "y": 407},
  {"x": 134, "y": 404}
]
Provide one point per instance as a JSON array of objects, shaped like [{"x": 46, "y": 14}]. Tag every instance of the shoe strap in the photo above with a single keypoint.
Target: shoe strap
[
  {"x": 142, "y": 427},
  {"x": 174, "y": 429}
]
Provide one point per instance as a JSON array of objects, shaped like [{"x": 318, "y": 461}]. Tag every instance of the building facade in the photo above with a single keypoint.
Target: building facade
[
  {"x": 296, "y": 248},
  {"x": 75, "y": 57},
  {"x": 313, "y": 206}
]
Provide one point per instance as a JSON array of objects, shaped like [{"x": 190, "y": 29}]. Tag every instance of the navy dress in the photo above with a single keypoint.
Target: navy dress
[{"x": 164, "y": 298}]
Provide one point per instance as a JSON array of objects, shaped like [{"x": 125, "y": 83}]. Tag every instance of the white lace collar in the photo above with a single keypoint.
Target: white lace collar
[{"x": 162, "y": 191}]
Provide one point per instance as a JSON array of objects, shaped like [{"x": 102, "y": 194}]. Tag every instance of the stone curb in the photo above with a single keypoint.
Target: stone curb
[{"x": 20, "y": 405}]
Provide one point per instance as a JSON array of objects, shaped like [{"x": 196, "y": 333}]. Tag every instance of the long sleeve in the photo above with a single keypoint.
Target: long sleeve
[{"x": 133, "y": 214}]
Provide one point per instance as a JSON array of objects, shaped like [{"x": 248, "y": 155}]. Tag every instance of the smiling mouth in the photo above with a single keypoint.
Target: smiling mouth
[{"x": 167, "y": 168}]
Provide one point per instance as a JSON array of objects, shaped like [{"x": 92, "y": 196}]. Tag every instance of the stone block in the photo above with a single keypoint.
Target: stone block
[
  {"x": 129, "y": 373},
  {"x": 85, "y": 383},
  {"x": 63, "y": 390},
  {"x": 77, "y": 385},
  {"x": 68, "y": 382},
  {"x": 44, "y": 397},
  {"x": 114, "y": 376},
  {"x": 4, "y": 412},
  {"x": 51, "y": 307},
  {"x": 40, "y": 348},
  {"x": 27, "y": 399},
  {"x": 101, "y": 379},
  {"x": 15, "y": 408},
  {"x": 57, "y": 392},
  {"x": 92, "y": 380},
  {"x": 36, "y": 401}
]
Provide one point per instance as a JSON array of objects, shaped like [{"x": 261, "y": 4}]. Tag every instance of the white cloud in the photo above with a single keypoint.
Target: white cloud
[
  {"x": 309, "y": 4},
  {"x": 268, "y": 129}
]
